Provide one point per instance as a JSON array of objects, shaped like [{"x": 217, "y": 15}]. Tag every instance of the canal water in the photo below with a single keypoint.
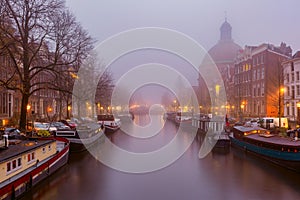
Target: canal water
[{"x": 220, "y": 175}]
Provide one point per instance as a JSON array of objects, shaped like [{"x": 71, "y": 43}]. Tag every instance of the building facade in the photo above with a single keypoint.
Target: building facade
[
  {"x": 43, "y": 104},
  {"x": 291, "y": 71},
  {"x": 258, "y": 80}
]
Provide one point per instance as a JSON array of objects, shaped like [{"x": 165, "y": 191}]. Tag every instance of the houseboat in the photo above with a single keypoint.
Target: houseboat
[
  {"x": 110, "y": 123},
  {"x": 24, "y": 163},
  {"x": 183, "y": 119},
  {"x": 280, "y": 150},
  {"x": 81, "y": 139}
]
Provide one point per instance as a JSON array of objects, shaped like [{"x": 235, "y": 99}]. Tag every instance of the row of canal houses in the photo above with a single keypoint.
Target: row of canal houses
[{"x": 261, "y": 80}]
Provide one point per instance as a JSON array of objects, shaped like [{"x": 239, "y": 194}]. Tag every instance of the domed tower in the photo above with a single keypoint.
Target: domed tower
[
  {"x": 222, "y": 54},
  {"x": 225, "y": 31},
  {"x": 226, "y": 49}
]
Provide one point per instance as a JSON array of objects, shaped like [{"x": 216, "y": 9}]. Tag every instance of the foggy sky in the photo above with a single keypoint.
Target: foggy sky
[{"x": 253, "y": 21}]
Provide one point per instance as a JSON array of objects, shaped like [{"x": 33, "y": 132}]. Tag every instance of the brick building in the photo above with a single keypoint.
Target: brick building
[{"x": 258, "y": 80}]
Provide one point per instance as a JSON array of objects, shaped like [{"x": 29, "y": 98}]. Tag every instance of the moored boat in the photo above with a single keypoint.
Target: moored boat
[
  {"x": 280, "y": 150},
  {"x": 183, "y": 119},
  {"x": 82, "y": 138},
  {"x": 24, "y": 163},
  {"x": 223, "y": 140},
  {"x": 110, "y": 123}
]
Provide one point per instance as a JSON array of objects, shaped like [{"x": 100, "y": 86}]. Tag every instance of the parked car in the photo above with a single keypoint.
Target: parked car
[
  {"x": 13, "y": 133},
  {"x": 40, "y": 126},
  {"x": 68, "y": 123},
  {"x": 59, "y": 126}
]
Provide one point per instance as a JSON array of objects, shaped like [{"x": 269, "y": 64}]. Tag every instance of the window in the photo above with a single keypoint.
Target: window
[
  {"x": 287, "y": 78},
  {"x": 293, "y": 92},
  {"x": 8, "y": 168},
  {"x": 254, "y": 74},
  {"x": 19, "y": 162},
  {"x": 292, "y": 77},
  {"x": 297, "y": 76},
  {"x": 258, "y": 74},
  {"x": 254, "y": 91},
  {"x": 49, "y": 148},
  {"x": 44, "y": 150},
  {"x": 262, "y": 89},
  {"x": 292, "y": 66},
  {"x": 30, "y": 157},
  {"x": 288, "y": 91},
  {"x": 14, "y": 165},
  {"x": 298, "y": 90}
]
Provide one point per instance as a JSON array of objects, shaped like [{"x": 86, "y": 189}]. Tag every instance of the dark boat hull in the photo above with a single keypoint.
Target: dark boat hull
[
  {"x": 38, "y": 173},
  {"x": 111, "y": 129},
  {"x": 290, "y": 160},
  {"x": 79, "y": 145}
]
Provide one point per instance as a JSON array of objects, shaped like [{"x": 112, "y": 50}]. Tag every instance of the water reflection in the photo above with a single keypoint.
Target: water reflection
[{"x": 230, "y": 175}]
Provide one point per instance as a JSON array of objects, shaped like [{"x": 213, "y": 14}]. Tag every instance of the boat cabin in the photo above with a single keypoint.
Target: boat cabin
[{"x": 23, "y": 155}]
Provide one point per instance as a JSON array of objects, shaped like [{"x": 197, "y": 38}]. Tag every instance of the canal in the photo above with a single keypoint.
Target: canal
[{"x": 220, "y": 175}]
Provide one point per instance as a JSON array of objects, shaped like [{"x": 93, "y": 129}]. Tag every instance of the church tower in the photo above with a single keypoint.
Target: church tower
[{"x": 223, "y": 55}]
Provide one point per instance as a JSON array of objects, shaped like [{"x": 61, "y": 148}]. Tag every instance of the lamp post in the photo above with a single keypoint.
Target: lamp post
[
  {"x": 280, "y": 94},
  {"x": 298, "y": 113},
  {"x": 242, "y": 110},
  {"x": 28, "y": 107}
]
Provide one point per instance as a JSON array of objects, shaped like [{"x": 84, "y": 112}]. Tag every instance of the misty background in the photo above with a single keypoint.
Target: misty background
[{"x": 253, "y": 22}]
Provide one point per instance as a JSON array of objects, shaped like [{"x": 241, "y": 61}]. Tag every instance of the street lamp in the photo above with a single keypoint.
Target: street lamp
[
  {"x": 242, "y": 110},
  {"x": 280, "y": 95},
  {"x": 28, "y": 107},
  {"x": 298, "y": 112}
]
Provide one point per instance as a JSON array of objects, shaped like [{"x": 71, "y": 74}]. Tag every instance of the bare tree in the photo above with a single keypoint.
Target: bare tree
[
  {"x": 104, "y": 89},
  {"x": 43, "y": 37}
]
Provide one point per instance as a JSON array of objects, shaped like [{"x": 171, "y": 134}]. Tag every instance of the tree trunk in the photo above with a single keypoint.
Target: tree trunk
[{"x": 23, "y": 117}]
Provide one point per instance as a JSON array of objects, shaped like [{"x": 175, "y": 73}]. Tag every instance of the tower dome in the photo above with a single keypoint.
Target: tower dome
[
  {"x": 226, "y": 49},
  {"x": 225, "y": 31}
]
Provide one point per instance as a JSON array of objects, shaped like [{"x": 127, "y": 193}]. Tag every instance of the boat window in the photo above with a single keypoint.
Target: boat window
[
  {"x": 8, "y": 168},
  {"x": 19, "y": 162},
  {"x": 44, "y": 150},
  {"x": 14, "y": 164},
  {"x": 30, "y": 157}
]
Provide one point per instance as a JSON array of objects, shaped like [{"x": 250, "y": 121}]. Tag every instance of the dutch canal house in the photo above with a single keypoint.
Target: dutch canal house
[
  {"x": 259, "y": 81},
  {"x": 222, "y": 54},
  {"x": 43, "y": 104},
  {"x": 291, "y": 74}
]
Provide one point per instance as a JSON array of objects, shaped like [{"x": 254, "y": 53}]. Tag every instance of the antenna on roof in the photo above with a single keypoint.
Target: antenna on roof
[{"x": 225, "y": 14}]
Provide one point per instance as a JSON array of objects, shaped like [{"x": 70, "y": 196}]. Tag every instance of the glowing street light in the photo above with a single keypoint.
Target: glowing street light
[{"x": 49, "y": 109}]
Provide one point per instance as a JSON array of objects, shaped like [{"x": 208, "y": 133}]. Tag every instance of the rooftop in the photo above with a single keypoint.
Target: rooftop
[{"x": 21, "y": 148}]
